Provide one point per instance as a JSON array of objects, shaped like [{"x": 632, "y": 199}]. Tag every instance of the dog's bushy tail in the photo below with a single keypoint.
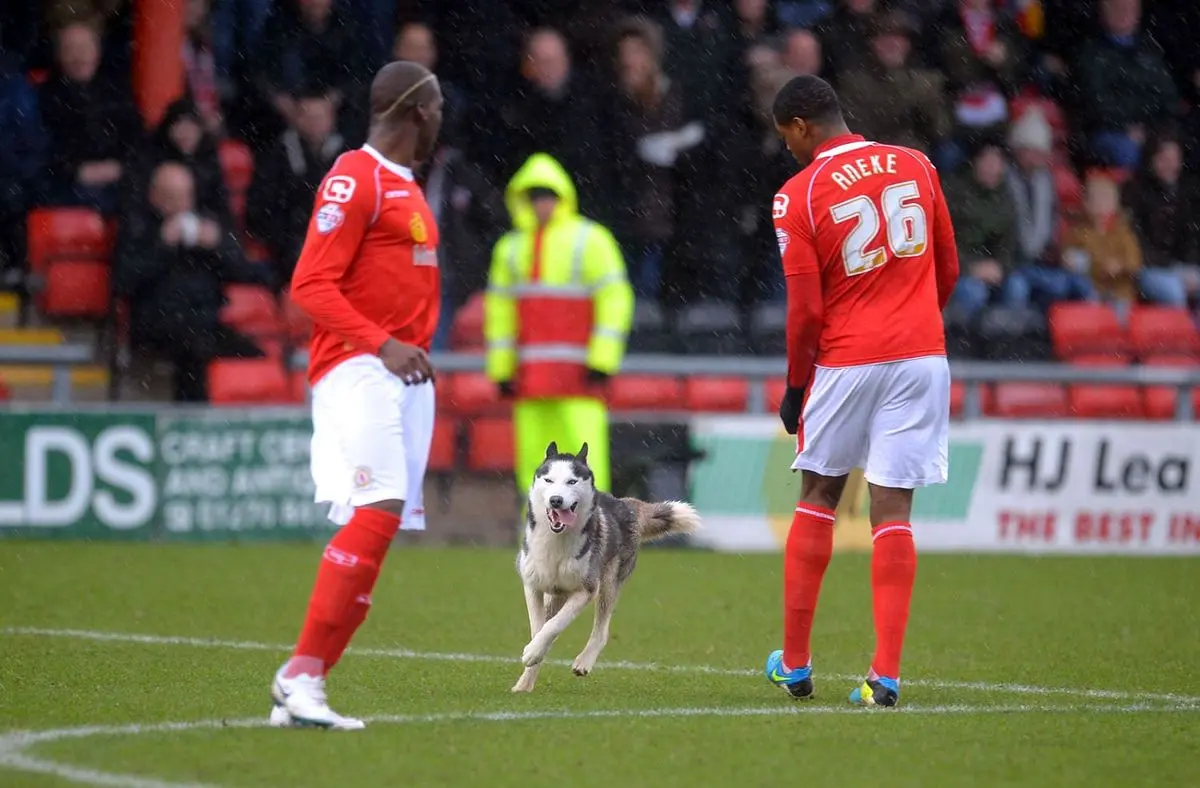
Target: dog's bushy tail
[{"x": 656, "y": 520}]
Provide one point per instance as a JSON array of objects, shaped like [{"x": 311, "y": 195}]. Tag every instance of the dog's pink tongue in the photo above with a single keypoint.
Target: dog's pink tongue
[{"x": 566, "y": 517}]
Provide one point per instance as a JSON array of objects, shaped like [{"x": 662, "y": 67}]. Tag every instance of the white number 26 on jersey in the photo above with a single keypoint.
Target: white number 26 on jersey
[{"x": 903, "y": 219}]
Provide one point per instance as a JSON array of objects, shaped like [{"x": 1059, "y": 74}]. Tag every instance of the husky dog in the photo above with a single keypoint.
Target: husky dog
[{"x": 581, "y": 545}]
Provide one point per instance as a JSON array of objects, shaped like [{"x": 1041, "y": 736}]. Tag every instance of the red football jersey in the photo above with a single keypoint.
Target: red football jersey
[
  {"x": 872, "y": 222},
  {"x": 368, "y": 270}
]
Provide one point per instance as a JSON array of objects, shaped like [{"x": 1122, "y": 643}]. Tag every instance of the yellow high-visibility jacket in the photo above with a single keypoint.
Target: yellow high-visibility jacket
[{"x": 558, "y": 300}]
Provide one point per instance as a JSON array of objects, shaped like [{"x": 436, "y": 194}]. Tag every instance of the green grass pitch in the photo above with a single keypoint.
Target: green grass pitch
[{"x": 1018, "y": 672}]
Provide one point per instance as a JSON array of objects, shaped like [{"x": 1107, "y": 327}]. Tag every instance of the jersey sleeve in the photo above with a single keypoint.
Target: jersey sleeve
[
  {"x": 802, "y": 271},
  {"x": 343, "y": 211},
  {"x": 794, "y": 234}
]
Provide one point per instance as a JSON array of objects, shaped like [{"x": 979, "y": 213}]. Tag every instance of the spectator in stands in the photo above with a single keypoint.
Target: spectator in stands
[
  {"x": 317, "y": 43},
  {"x": 802, "y": 52},
  {"x": 280, "y": 199},
  {"x": 171, "y": 264},
  {"x": 91, "y": 123},
  {"x": 1164, "y": 208},
  {"x": 1031, "y": 184},
  {"x": 653, "y": 130},
  {"x": 983, "y": 56},
  {"x": 180, "y": 137},
  {"x": 415, "y": 41},
  {"x": 22, "y": 157},
  {"x": 1104, "y": 244},
  {"x": 846, "y": 36},
  {"x": 756, "y": 19},
  {"x": 1125, "y": 85},
  {"x": 206, "y": 85},
  {"x": 471, "y": 216},
  {"x": 554, "y": 113},
  {"x": 985, "y": 226},
  {"x": 889, "y": 100}
]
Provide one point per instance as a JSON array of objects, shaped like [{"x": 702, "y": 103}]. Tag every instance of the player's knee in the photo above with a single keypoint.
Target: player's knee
[
  {"x": 890, "y": 505},
  {"x": 824, "y": 491}
]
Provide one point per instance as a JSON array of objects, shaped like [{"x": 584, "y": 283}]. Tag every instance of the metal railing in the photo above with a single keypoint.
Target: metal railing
[
  {"x": 60, "y": 357},
  {"x": 974, "y": 374}
]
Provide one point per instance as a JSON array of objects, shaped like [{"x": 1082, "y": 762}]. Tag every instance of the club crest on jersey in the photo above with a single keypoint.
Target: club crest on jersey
[
  {"x": 329, "y": 218},
  {"x": 779, "y": 206},
  {"x": 782, "y": 238},
  {"x": 339, "y": 188},
  {"x": 416, "y": 226},
  {"x": 362, "y": 477}
]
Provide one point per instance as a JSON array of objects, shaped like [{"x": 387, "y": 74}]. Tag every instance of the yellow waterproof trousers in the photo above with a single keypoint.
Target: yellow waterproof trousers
[{"x": 569, "y": 422}]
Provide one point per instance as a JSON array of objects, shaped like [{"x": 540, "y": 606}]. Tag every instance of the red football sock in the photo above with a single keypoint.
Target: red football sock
[
  {"x": 342, "y": 592},
  {"x": 893, "y": 569},
  {"x": 809, "y": 546}
]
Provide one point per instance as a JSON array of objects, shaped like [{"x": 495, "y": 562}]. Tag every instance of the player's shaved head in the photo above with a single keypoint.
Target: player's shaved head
[{"x": 399, "y": 86}]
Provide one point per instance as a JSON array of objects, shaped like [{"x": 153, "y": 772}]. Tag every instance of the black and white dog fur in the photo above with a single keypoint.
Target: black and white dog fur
[{"x": 581, "y": 545}]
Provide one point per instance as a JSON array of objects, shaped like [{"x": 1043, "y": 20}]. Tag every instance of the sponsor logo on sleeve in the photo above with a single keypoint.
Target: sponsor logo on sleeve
[
  {"x": 339, "y": 188},
  {"x": 782, "y": 238},
  {"x": 779, "y": 206},
  {"x": 329, "y": 218}
]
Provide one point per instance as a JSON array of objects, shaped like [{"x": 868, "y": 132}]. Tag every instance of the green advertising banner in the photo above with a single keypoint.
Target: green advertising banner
[{"x": 173, "y": 475}]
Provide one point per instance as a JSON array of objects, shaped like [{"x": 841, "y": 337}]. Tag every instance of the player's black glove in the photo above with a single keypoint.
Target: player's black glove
[
  {"x": 506, "y": 389},
  {"x": 596, "y": 376},
  {"x": 791, "y": 408}
]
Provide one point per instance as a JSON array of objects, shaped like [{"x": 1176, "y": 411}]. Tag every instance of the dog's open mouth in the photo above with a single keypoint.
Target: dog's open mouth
[{"x": 561, "y": 519}]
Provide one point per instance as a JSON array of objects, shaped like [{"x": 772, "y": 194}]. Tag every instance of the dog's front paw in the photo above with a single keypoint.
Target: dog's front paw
[
  {"x": 534, "y": 653},
  {"x": 584, "y": 663}
]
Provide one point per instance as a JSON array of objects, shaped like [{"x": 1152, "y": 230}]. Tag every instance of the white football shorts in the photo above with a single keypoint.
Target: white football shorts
[
  {"x": 371, "y": 437},
  {"x": 890, "y": 419}
]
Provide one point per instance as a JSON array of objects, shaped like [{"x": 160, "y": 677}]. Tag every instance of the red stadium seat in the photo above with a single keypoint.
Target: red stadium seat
[
  {"x": 1160, "y": 400},
  {"x": 1078, "y": 329},
  {"x": 443, "y": 452},
  {"x": 246, "y": 381},
  {"x": 1100, "y": 401},
  {"x": 645, "y": 392},
  {"x": 75, "y": 288},
  {"x": 775, "y": 389},
  {"x": 1162, "y": 330},
  {"x": 252, "y": 310},
  {"x": 490, "y": 444},
  {"x": 716, "y": 395},
  {"x": 470, "y": 394},
  {"x": 1028, "y": 400},
  {"x": 958, "y": 398},
  {"x": 5, "y": 393},
  {"x": 1100, "y": 360},
  {"x": 299, "y": 386},
  {"x": 466, "y": 332},
  {"x": 65, "y": 233}
]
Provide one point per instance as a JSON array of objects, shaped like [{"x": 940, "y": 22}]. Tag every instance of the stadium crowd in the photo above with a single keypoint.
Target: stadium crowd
[{"x": 1066, "y": 133}]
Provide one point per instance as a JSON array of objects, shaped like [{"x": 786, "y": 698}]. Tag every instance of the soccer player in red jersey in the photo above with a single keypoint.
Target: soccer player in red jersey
[
  {"x": 368, "y": 278},
  {"x": 870, "y": 261}
]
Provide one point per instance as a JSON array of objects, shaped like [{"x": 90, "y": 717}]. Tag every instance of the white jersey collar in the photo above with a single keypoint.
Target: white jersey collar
[{"x": 402, "y": 171}]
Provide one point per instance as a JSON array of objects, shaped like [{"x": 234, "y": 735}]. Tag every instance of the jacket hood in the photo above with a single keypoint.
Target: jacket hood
[{"x": 539, "y": 170}]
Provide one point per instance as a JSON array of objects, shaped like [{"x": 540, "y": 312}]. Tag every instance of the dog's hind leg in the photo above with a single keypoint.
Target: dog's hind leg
[
  {"x": 606, "y": 601},
  {"x": 537, "y": 604},
  {"x": 536, "y": 651}
]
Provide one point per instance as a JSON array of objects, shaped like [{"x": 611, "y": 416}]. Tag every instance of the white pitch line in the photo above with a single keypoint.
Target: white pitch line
[
  {"x": 14, "y": 744},
  {"x": 439, "y": 656}
]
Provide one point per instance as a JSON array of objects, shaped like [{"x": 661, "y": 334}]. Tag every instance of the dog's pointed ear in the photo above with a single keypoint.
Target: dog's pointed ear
[
  {"x": 552, "y": 449},
  {"x": 582, "y": 455}
]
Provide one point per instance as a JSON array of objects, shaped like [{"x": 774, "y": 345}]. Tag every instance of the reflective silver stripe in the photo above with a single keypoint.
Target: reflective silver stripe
[
  {"x": 610, "y": 333},
  {"x": 553, "y": 353},
  {"x": 577, "y": 255},
  {"x": 539, "y": 290},
  {"x": 501, "y": 344},
  {"x": 608, "y": 280}
]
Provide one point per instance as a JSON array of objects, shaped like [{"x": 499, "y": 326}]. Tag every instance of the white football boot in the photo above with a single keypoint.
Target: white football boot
[{"x": 300, "y": 702}]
